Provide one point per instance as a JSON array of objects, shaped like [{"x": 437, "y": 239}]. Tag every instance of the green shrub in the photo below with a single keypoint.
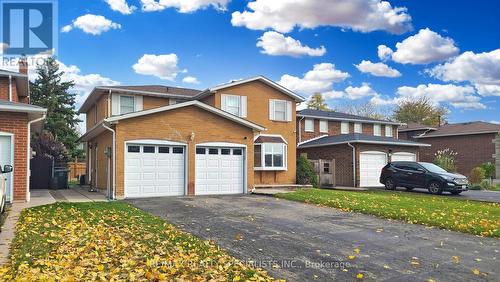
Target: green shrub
[
  {"x": 305, "y": 172},
  {"x": 446, "y": 160},
  {"x": 475, "y": 187},
  {"x": 489, "y": 169},
  {"x": 486, "y": 185},
  {"x": 476, "y": 175}
]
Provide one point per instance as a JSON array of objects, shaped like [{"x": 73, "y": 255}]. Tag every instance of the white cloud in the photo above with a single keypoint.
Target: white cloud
[
  {"x": 455, "y": 95},
  {"x": 67, "y": 28},
  {"x": 377, "y": 69},
  {"x": 318, "y": 80},
  {"x": 495, "y": 121},
  {"x": 121, "y": 6},
  {"x": 162, "y": 66},
  {"x": 183, "y": 6},
  {"x": 384, "y": 52},
  {"x": 422, "y": 48},
  {"x": 482, "y": 70},
  {"x": 358, "y": 15},
  {"x": 3, "y": 46},
  {"x": 276, "y": 44},
  {"x": 380, "y": 100},
  {"x": 92, "y": 24},
  {"x": 352, "y": 93},
  {"x": 191, "y": 80},
  {"x": 84, "y": 83}
]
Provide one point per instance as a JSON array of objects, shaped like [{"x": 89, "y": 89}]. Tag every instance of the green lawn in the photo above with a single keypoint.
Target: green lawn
[
  {"x": 113, "y": 241},
  {"x": 441, "y": 211}
]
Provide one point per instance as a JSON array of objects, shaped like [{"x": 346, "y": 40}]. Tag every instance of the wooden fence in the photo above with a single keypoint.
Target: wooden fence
[{"x": 76, "y": 169}]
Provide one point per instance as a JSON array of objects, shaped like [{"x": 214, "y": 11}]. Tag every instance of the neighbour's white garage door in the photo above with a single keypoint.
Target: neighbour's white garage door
[
  {"x": 154, "y": 170},
  {"x": 370, "y": 167},
  {"x": 219, "y": 171},
  {"x": 403, "y": 157}
]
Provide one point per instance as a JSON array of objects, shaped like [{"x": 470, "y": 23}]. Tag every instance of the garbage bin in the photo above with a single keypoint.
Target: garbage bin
[{"x": 61, "y": 178}]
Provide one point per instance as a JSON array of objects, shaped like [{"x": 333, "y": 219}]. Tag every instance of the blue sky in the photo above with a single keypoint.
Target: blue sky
[{"x": 450, "y": 54}]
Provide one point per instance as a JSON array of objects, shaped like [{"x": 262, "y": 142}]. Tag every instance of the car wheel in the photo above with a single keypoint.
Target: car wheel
[
  {"x": 435, "y": 188},
  {"x": 390, "y": 184},
  {"x": 456, "y": 192}
]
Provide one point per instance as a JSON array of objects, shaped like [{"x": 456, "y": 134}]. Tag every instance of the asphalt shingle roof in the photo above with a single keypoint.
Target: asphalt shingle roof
[
  {"x": 357, "y": 138},
  {"x": 465, "y": 128},
  {"x": 159, "y": 89}
]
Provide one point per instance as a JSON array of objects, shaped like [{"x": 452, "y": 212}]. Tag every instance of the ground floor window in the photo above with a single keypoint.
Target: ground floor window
[{"x": 270, "y": 156}]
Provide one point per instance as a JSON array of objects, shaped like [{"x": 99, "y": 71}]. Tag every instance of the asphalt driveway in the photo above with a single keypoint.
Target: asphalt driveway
[{"x": 302, "y": 242}]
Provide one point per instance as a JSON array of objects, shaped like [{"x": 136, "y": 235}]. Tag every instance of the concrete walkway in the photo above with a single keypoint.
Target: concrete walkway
[
  {"x": 38, "y": 198},
  {"x": 77, "y": 194}
]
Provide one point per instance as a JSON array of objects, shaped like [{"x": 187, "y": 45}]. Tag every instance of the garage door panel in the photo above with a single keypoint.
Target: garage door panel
[
  {"x": 403, "y": 157},
  {"x": 370, "y": 167},
  {"x": 219, "y": 172},
  {"x": 154, "y": 174}
]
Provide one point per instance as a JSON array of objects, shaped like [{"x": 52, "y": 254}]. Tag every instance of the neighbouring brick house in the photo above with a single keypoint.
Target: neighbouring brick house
[
  {"x": 359, "y": 146},
  {"x": 474, "y": 142},
  {"x": 17, "y": 117},
  {"x": 150, "y": 141}
]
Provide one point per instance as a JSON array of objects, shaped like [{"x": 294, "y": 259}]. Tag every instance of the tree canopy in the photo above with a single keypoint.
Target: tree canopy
[
  {"x": 317, "y": 102},
  {"x": 420, "y": 110},
  {"x": 367, "y": 109},
  {"x": 50, "y": 91}
]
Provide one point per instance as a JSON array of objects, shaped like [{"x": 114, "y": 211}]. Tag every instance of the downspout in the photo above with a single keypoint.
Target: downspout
[
  {"x": 28, "y": 162},
  {"x": 113, "y": 153},
  {"x": 300, "y": 129},
  {"x": 10, "y": 88},
  {"x": 353, "y": 162}
]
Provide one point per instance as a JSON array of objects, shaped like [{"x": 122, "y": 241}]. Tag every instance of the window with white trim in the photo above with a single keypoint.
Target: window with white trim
[
  {"x": 280, "y": 110},
  {"x": 388, "y": 130},
  {"x": 377, "y": 129},
  {"x": 309, "y": 125},
  {"x": 323, "y": 126},
  {"x": 127, "y": 104},
  {"x": 344, "y": 127},
  {"x": 270, "y": 156},
  {"x": 358, "y": 128},
  {"x": 234, "y": 104}
]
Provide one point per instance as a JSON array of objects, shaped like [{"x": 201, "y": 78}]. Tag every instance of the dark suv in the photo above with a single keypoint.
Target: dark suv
[{"x": 422, "y": 175}]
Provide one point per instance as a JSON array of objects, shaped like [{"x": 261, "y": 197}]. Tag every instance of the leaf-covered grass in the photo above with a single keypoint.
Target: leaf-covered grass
[
  {"x": 460, "y": 215},
  {"x": 113, "y": 241}
]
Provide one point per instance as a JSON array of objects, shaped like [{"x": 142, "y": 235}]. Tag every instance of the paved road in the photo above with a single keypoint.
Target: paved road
[
  {"x": 309, "y": 243},
  {"x": 476, "y": 195}
]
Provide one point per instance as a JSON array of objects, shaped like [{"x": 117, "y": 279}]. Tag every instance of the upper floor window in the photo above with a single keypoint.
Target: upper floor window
[
  {"x": 127, "y": 104},
  {"x": 377, "y": 129},
  {"x": 344, "y": 127},
  {"x": 309, "y": 125},
  {"x": 235, "y": 105},
  {"x": 358, "y": 128},
  {"x": 280, "y": 110},
  {"x": 323, "y": 126},
  {"x": 388, "y": 130}
]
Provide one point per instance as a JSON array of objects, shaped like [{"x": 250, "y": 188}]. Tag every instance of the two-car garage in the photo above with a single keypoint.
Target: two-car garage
[{"x": 160, "y": 168}]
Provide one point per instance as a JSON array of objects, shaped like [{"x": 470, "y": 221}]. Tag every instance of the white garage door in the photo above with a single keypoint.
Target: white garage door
[
  {"x": 370, "y": 167},
  {"x": 403, "y": 157},
  {"x": 154, "y": 170},
  {"x": 219, "y": 171}
]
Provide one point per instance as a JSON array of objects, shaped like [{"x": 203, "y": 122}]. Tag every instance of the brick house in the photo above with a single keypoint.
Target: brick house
[
  {"x": 17, "y": 119},
  {"x": 359, "y": 146},
  {"x": 474, "y": 142},
  {"x": 149, "y": 141}
]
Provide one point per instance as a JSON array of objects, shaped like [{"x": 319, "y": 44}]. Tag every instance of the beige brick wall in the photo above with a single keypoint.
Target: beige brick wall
[
  {"x": 178, "y": 125},
  {"x": 258, "y": 95}
]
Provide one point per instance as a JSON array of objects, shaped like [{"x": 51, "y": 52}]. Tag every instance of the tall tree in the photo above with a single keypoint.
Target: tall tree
[
  {"x": 367, "y": 109},
  {"x": 50, "y": 91},
  {"x": 317, "y": 102},
  {"x": 420, "y": 110}
]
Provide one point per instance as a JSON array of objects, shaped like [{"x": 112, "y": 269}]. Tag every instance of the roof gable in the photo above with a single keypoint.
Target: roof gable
[{"x": 262, "y": 79}]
